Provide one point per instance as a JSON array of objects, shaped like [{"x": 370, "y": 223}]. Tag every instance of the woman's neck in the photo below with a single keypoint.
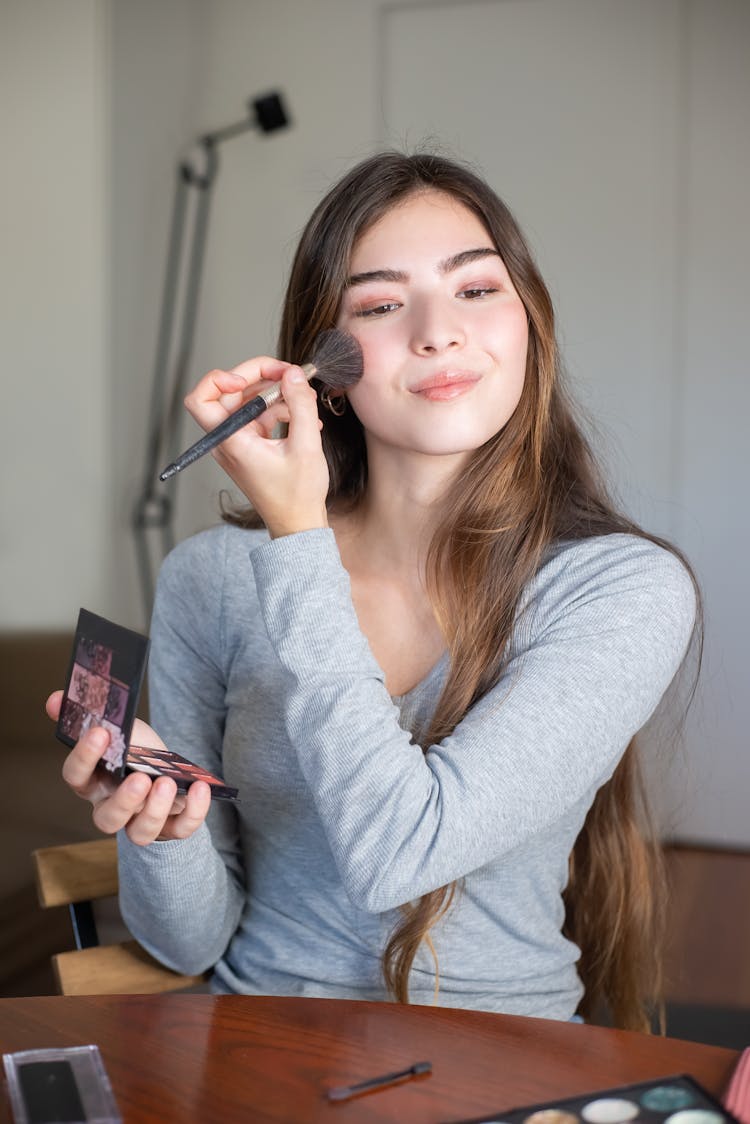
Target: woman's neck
[
  {"x": 392, "y": 527},
  {"x": 383, "y": 545}
]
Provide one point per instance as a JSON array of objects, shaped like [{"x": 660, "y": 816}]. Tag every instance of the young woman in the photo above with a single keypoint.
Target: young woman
[{"x": 424, "y": 675}]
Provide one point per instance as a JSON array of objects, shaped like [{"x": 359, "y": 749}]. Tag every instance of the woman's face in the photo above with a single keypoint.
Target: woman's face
[{"x": 444, "y": 333}]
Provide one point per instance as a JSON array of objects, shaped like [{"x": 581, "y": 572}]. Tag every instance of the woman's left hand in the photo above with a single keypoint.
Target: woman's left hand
[
  {"x": 285, "y": 479},
  {"x": 147, "y": 808}
]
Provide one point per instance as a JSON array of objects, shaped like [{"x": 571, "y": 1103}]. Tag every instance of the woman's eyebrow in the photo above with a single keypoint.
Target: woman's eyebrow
[
  {"x": 466, "y": 256},
  {"x": 376, "y": 275},
  {"x": 455, "y": 261}
]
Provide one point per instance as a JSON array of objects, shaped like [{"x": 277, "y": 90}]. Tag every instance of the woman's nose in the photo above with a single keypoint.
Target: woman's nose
[{"x": 437, "y": 328}]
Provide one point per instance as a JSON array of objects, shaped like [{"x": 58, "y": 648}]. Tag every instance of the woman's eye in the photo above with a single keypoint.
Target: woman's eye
[
  {"x": 378, "y": 309},
  {"x": 477, "y": 291}
]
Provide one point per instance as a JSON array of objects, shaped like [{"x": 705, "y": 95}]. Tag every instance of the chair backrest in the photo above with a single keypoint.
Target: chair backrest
[{"x": 76, "y": 875}]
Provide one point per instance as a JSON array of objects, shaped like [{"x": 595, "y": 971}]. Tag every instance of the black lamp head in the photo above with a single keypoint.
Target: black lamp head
[{"x": 269, "y": 112}]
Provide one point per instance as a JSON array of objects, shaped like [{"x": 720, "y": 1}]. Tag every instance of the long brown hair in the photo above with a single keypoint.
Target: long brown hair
[{"x": 533, "y": 484}]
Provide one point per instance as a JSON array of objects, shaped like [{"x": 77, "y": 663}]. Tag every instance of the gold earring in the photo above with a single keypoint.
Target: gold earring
[{"x": 336, "y": 405}]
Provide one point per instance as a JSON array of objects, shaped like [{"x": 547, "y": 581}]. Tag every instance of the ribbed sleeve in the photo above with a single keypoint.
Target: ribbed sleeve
[{"x": 182, "y": 899}]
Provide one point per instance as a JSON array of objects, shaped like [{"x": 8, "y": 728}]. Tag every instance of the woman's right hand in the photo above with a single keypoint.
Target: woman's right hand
[
  {"x": 284, "y": 478},
  {"x": 148, "y": 808}
]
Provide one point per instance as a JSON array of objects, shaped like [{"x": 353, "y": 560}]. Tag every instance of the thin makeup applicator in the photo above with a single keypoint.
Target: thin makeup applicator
[{"x": 336, "y": 360}]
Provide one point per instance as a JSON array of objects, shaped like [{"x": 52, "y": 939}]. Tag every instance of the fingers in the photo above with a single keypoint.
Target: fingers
[
  {"x": 216, "y": 396},
  {"x": 79, "y": 766},
  {"x": 164, "y": 815},
  {"x": 266, "y": 423},
  {"x": 192, "y": 812},
  {"x": 147, "y": 809},
  {"x": 151, "y": 810},
  {"x": 302, "y": 403},
  {"x": 139, "y": 805},
  {"x": 220, "y": 393},
  {"x": 262, "y": 367},
  {"x": 285, "y": 479},
  {"x": 119, "y": 807},
  {"x": 53, "y": 704}
]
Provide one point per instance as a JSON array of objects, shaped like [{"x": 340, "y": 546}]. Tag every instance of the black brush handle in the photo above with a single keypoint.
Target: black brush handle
[
  {"x": 242, "y": 417},
  {"x": 346, "y": 1092}
]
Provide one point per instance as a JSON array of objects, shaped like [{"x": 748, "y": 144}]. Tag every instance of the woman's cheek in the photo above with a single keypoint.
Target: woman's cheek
[
  {"x": 363, "y": 398},
  {"x": 520, "y": 329},
  {"x": 375, "y": 364}
]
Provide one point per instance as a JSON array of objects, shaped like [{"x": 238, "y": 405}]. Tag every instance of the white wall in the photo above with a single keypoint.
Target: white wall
[
  {"x": 87, "y": 241},
  {"x": 56, "y": 478},
  {"x": 713, "y": 459},
  {"x": 157, "y": 63}
]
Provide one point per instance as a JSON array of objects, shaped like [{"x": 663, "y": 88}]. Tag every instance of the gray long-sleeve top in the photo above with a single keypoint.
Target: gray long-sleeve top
[{"x": 260, "y": 672}]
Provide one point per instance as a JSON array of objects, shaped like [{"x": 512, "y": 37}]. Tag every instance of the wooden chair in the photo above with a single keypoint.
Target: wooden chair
[{"x": 76, "y": 875}]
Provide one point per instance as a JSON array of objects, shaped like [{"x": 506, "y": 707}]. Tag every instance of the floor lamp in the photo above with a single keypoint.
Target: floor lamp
[{"x": 153, "y": 513}]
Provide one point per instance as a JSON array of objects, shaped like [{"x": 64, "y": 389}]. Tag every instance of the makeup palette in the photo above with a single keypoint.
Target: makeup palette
[
  {"x": 669, "y": 1100},
  {"x": 166, "y": 763},
  {"x": 104, "y": 681},
  {"x": 103, "y": 685}
]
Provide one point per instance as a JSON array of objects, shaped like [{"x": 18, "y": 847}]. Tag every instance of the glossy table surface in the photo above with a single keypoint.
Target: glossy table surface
[{"x": 223, "y": 1059}]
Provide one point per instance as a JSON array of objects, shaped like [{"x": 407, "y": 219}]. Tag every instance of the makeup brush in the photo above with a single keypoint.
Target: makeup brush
[{"x": 336, "y": 360}]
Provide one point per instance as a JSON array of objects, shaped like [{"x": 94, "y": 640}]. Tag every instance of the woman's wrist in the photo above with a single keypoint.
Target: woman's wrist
[{"x": 293, "y": 524}]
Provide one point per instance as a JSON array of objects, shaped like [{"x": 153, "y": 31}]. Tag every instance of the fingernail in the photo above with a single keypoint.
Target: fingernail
[
  {"x": 98, "y": 737},
  {"x": 296, "y": 375}
]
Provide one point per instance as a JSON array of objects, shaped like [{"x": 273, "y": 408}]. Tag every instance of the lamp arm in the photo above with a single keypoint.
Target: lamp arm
[{"x": 154, "y": 510}]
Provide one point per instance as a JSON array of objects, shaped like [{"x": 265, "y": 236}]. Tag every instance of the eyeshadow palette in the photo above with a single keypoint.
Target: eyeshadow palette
[
  {"x": 102, "y": 689},
  {"x": 669, "y": 1100},
  {"x": 104, "y": 682},
  {"x": 164, "y": 763}
]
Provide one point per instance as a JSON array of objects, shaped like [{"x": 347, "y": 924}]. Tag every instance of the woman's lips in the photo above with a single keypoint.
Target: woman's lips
[{"x": 447, "y": 385}]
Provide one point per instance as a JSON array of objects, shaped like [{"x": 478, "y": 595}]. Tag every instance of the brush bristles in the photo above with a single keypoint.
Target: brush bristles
[{"x": 337, "y": 358}]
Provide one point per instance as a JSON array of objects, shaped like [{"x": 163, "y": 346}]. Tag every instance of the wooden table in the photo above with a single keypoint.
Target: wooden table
[{"x": 223, "y": 1059}]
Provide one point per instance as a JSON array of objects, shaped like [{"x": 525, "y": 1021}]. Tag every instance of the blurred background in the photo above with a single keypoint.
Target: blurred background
[{"x": 617, "y": 132}]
